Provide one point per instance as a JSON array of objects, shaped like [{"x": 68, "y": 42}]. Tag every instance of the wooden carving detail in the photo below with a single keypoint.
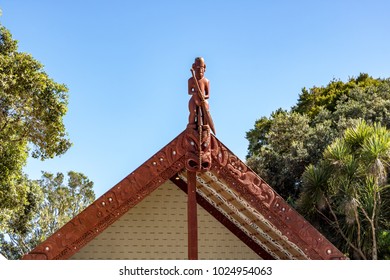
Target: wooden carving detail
[
  {"x": 239, "y": 176},
  {"x": 198, "y": 151},
  {"x": 113, "y": 204},
  {"x": 197, "y": 143},
  {"x": 163, "y": 165},
  {"x": 264, "y": 199}
]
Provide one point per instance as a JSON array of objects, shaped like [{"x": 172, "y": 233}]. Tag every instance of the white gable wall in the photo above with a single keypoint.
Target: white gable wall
[{"x": 156, "y": 228}]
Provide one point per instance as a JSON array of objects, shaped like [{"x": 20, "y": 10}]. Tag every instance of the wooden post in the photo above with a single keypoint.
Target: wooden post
[{"x": 192, "y": 216}]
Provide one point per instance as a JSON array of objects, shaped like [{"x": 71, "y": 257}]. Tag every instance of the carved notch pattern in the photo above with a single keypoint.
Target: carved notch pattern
[
  {"x": 198, "y": 149},
  {"x": 162, "y": 166},
  {"x": 113, "y": 204},
  {"x": 264, "y": 199}
]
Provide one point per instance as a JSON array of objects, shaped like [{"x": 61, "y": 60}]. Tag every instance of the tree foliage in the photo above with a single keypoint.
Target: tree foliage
[
  {"x": 280, "y": 156},
  {"x": 349, "y": 190},
  {"x": 291, "y": 142},
  {"x": 56, "y": 201},
  {"x": 311, "y": 102},
  {"x": 282, "y": 147},
  {"x": 32, "y": 107}
]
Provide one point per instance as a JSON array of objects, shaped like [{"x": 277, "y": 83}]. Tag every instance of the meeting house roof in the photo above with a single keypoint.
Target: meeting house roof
[
  {"x": 223, "y": 186},
  {"x": 230, "y": 191}
]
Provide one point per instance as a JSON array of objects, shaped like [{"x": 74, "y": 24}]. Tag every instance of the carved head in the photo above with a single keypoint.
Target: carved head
[{"x": 200, "y": 67}]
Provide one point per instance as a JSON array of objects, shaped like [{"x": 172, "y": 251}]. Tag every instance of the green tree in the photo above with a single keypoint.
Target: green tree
[
  {"x": 257, "y": 136},
  {"x": 281, "y": 146},
  {"x": 32, "y": 104},
  {"x": 349, "y": 190},
  {"x": 312, "y": 101},
  {"x": 32, "y": 107},
  {"x": 57, "y": 200},
  {"x": 289, "y": 144}
]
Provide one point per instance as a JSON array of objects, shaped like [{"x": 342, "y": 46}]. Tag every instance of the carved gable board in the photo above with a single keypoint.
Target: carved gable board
[{"x": 229, "y": 191}]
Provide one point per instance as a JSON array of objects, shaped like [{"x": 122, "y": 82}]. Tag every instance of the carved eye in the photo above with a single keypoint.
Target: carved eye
[
  {"x": 192, "y": 163},
  {"x": 205, "y": 165}
]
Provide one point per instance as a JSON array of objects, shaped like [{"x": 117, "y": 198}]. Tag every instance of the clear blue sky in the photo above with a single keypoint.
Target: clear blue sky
[{"x": 126, "y": 64}]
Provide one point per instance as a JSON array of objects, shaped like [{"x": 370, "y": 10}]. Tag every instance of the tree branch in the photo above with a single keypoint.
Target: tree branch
[{"x": 338, "y": 228}]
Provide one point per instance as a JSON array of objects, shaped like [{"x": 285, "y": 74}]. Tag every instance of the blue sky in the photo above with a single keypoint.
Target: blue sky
[{"x": 126, "y": 64}]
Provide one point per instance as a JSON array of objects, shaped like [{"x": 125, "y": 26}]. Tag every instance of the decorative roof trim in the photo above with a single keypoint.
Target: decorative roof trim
[
  {"x": 161, "y": 167},
  {"x": 264, "y": 199},
  {"x": 69, "y": 239},
  {"x": 225, "y": 221}
]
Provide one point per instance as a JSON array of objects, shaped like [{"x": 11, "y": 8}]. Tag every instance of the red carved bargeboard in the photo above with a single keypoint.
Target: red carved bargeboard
[{"x": 170, "y": 160}]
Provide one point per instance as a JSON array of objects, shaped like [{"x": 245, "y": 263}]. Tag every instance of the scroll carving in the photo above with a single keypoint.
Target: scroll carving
[
  {"x": 198, "y": 151},
  {"x": 263, "y": 198},
  {"x": 241, "y": 177},
  {"x": 114, "y": 203}
]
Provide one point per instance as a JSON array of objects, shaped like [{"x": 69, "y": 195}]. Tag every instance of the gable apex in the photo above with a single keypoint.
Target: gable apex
[{"x": 229, "y": 190}]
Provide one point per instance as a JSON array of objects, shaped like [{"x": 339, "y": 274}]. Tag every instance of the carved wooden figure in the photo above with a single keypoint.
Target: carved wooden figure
[
  {"x": 198, "y": 163},
  {"x": 199, "y": 89}
]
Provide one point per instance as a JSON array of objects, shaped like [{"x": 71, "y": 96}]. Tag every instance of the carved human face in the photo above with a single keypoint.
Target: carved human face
[{"x": 199, "y": 72}]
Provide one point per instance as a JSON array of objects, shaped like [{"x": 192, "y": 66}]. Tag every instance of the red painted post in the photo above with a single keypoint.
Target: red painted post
[{"x": 192, "y": 216}]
